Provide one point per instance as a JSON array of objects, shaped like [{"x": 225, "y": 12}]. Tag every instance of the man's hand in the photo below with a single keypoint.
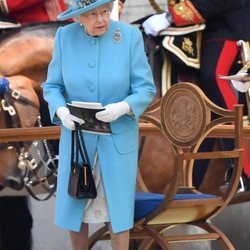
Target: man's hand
[
  {"x": 113, "y": 111},
  {"x": 241, "y": 86}
]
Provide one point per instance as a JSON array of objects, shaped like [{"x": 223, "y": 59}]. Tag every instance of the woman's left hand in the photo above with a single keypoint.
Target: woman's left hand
[{"x": 113, "y": 111}]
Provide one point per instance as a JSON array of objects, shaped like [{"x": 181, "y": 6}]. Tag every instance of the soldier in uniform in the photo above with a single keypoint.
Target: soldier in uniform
[{"x": 227, "y": 21}]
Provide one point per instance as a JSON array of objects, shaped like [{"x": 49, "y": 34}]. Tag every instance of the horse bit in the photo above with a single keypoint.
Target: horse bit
[{"x": 26, "y": 163}]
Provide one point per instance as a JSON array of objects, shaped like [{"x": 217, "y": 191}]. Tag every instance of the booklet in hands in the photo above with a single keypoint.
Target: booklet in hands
[{"x": 86, "y": 111}]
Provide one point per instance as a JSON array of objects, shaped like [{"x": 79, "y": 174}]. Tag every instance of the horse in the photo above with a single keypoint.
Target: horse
[
  {"x": 15, "y": 114},
  {"x": 25, "y": 53}
]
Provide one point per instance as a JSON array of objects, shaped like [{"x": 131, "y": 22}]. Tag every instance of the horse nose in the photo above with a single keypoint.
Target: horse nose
[{"x": 15, "y": 182}]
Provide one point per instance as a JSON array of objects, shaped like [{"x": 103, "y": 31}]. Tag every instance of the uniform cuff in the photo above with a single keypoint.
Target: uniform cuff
[{"x": 169, "y": 17}]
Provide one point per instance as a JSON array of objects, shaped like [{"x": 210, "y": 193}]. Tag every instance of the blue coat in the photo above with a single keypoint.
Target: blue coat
[{"x": 106, "y": 70}]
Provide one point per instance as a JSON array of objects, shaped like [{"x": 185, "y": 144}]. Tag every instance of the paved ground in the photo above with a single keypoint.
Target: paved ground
[{"x": 46, "y": 236}]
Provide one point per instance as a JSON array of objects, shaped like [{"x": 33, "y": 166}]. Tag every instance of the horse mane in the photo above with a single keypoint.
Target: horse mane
[{"x": 34, "y": 29}]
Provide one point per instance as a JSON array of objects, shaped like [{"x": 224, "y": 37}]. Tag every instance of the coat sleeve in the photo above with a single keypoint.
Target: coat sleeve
[
  {"x": 142, "y": 85},
  {"x": 54, "y": 89},
  {"x": 198, "y": 11}
]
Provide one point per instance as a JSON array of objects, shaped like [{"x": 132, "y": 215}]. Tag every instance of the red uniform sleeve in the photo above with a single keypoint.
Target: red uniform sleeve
[
  {"x": 19, "y": 5},
  {"x": 28, "y": 11}
]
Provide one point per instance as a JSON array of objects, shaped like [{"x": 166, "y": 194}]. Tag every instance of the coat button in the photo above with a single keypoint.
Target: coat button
[
  {"x": 93, "y": 41},
  {"x": 91, "y": 87},
  {"x": 91, "y": 64}
]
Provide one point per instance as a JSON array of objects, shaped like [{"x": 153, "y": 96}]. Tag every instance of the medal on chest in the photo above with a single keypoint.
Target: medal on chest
[{"x": 117, "y": 37}]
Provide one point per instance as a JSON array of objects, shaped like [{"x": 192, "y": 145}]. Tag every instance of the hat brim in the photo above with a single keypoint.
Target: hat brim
[{"x": 72, "y": 12}]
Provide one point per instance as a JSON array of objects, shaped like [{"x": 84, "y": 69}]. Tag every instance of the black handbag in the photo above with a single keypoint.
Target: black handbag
[{"x": 81, "y": 180}]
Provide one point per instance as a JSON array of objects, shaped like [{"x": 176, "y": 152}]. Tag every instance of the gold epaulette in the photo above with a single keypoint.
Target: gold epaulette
[
  {"x": 184, "y": 13},
  {"x": 246, "y": 67}
]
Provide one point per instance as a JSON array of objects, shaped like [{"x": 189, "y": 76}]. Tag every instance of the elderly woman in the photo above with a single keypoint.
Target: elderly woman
[{"x": 99, "y": 60}]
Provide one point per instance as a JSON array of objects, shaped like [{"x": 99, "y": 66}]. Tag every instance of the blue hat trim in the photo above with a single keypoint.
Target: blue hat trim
[{"x": 81, "y": 6}]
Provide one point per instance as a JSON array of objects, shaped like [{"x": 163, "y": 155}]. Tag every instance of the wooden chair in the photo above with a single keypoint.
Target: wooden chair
[{"x": 186, "y": 121}]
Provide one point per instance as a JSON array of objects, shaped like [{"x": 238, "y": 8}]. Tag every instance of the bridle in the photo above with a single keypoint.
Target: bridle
[{"x": 27, "y": 162}]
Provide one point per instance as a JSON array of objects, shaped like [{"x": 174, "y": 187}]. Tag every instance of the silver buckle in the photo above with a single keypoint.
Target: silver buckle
[
  {"x": 15, "y": 94},
  {"x": 10, "y": 109}
]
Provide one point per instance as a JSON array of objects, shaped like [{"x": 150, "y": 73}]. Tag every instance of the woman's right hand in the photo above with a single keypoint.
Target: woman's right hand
[{"x": 66, "y": 118}]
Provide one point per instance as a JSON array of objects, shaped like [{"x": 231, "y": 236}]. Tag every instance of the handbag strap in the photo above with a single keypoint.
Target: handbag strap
[
  {"x": 78, "y": 142},
  {"x": 72, "y": 146},
  {"x": 82, "y": 146}
]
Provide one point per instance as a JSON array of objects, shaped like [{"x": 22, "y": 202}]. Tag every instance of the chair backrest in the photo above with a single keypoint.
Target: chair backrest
[{"x": 187, "y": 118}]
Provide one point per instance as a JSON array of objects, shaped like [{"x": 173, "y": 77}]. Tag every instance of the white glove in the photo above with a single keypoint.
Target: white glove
[
  {"x": 154, "y": 24},
  {"x": 241, "y": 81},
  {"x": 68, "y": 119},
  {"x": 113, "y": 111},
  {"x": 241, "y": 86}
]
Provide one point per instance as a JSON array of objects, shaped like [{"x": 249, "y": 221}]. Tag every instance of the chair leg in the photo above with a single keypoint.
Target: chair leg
[
  {"x": 145, "y": 244},
  {"x": 149, "y": 244},
  {"x": 158, "y": 238},
  {"x": 98, "y": 235},
  {"x": 223, "y": 240}
]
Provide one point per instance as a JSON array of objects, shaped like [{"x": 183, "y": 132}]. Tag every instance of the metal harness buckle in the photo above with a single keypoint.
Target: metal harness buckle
[
  {"x": 15, "y": 94},
  {"x": 10, "y": 108}
]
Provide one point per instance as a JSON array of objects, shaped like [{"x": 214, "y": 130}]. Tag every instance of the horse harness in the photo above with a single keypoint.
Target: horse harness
[{"x": 26, "y": 162}]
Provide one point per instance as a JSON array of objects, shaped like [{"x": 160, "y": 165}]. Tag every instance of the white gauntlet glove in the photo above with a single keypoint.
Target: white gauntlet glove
[
  {"x": 154, "y": 24},
  {"x": 241, "y": 86},
  {"x": 113, "y": 111},
  {"x": 68, "y": 119}
]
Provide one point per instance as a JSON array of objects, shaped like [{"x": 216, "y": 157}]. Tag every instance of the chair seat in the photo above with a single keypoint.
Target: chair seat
[{"x": 146, "y": 203}]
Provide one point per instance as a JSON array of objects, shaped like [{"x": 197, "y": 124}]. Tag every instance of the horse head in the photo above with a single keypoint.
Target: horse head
[{"x": 19, "y": 107}]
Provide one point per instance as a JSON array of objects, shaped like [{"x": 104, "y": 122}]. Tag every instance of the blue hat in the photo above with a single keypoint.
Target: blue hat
[{"x": 81, "y": 6}]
